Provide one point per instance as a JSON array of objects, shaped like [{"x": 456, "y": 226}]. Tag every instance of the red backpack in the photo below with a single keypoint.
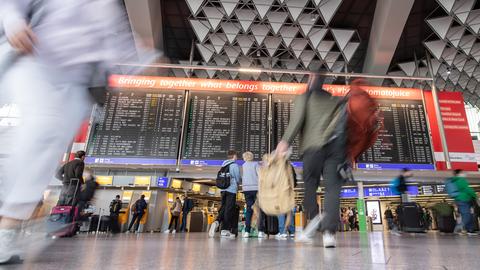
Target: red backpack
[{"x": 363, "y": 123}]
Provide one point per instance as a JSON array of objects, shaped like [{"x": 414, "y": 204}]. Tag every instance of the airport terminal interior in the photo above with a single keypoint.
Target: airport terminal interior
[{"x": 230, "y": 75}]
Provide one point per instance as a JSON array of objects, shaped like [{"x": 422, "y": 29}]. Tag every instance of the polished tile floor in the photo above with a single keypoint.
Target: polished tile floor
[{"x": 195, "y": 251}]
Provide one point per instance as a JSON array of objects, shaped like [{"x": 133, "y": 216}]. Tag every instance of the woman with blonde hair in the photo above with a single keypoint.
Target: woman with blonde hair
[{"x": 250, "y": 188}]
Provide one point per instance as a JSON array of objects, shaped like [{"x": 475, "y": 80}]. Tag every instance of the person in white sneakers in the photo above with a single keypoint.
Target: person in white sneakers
[
  {"x": 229, "y": 199},
  {"x": 175, "y": 210},
  {"x": 323, "y": 139},
  {"x": 250, "y": 188}
]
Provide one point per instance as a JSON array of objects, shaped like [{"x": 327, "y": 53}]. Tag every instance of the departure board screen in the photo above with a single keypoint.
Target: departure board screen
[
  {"x": 219, "y": 122},
  {"x": 403, "y": 140},
  {"x": 282, "y": 110},
  {"x": 137, "y": 127}
]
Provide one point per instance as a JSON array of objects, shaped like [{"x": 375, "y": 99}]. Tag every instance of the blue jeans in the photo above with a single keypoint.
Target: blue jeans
[
  {"x": 281, "y": 224},
  {"x": 250, "y": 197},
  {"x": 390, "y": 223},
  {"x": 467, "y": 220}
]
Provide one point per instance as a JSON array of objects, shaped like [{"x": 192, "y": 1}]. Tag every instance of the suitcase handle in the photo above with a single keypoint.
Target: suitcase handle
[{"x": 76, "y": 188}]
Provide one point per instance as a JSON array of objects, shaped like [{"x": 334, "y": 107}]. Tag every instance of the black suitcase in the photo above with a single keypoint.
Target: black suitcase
[
  {"x": 446, "y": 224},
  {"x": 271, "y": 225},
  {"x": 410, "y": 217}
]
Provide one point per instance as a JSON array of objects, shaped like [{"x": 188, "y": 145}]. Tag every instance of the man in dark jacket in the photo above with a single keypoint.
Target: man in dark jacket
[
  {"x": 115, "y": 207},
  {"x": 321, "y": 124},
  {"x": 138, "y": 212},
  {"x": 71, "y": 174},
  {"x": 87, "y": 190},
  {"x": 187, "y": 207}
]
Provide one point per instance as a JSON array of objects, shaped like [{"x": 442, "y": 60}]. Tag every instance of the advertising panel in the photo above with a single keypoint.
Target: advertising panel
[
  {"x": 374, "y": 211},
  {"x": 457, "y": 131}
]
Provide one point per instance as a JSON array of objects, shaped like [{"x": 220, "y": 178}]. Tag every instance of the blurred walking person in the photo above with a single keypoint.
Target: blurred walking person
[
  {"x": 458, "y": 189},
  {"x": 56, "y": 49},
  {"x": 324, "y": 151}
]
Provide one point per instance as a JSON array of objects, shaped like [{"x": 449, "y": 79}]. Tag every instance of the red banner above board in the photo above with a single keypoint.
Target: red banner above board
[{"x": 452, "y": 106}]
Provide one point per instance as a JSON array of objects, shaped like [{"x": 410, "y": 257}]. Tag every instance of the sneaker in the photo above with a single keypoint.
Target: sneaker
[
  {"x": 227, "y": 234},
  {"x": 262, "y": 235},
  {"x": 312, "y": 226},
  {"x": 292, "y": 235},
  {"x": 8, "y": 251},
  {"x": 329, "y": 240},
  {"x": 304, "y": 238},
  {"x": 213, "y": 229},
  {"x": 174, "y": 231},
  {"x": 472, "y": 234},
  {"x": 281, "y": 236},
  {"x": 396, "y": 232},
  {"x": 246, "y": 235},
  {"x": 166, "y": 232}
]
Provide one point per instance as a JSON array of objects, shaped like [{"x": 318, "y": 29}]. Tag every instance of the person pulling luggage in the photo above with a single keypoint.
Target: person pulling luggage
[
  {"x": 323, "y": 145},
  {"x": 458, "y": 189},
  {"x": 71, "y": 170}
]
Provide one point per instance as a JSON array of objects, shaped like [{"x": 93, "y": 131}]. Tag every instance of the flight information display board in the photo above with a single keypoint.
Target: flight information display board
[
  {"x": 219, "y": 122},
  {"x": 404, "y": 140},
  {"x": 282, "y": 110},
  {"x": 137, "y": 127}
]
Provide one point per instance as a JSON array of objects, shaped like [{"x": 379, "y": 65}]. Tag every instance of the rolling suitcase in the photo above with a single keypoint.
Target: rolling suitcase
[
  {"x": 271, "y": 225},
  {"x": 62, "y": 221},
  {"x": 446, "y": 224},
  {"x": 410, "y": 216}
]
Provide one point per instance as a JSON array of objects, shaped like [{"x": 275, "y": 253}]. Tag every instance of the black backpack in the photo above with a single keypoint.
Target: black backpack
[{"x": 224, "y": 177}]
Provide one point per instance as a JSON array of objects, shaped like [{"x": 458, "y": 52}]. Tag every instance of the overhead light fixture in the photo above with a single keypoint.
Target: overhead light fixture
[
  {"x": 202, "y": 181},
  {"x": 313, "y": 17},
  {"x": 250, "y": 70},
  {"x": 449, "y": 70}
]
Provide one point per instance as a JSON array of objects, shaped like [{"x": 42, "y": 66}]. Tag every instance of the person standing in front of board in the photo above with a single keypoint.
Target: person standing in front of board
[
  {"x": 458, "y": 189},
  {"x": 230, "y": 171},
  {"x": 138, "y": 210},
  {"x": 323, "y": 137},
  {"x": 115, "y": 207},
  {"x": 250, "y": 188}
]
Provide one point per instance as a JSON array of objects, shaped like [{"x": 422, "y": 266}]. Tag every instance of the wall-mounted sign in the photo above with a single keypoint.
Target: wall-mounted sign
[
  {"x": 142, "y": 180},
  {"x": 173, "y": 83},
  {"x": 176, "y": 184},
  {"x": 196, "y": 187},
  {"x": 104, "y": 180},
  {"x": 127, "y": 196},
  {"x": 387, "y": 191},
  {"x": 162, "y": 182},
  {"x": 349, "y": 193},
  {"x": 440, "y": 189},
  {"x": 427, "y": 190},
  {"x": 170, "y": 197}
]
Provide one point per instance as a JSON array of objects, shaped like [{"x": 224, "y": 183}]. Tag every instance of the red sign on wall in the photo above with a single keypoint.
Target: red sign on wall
[{"x": 457, "y": 132}]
